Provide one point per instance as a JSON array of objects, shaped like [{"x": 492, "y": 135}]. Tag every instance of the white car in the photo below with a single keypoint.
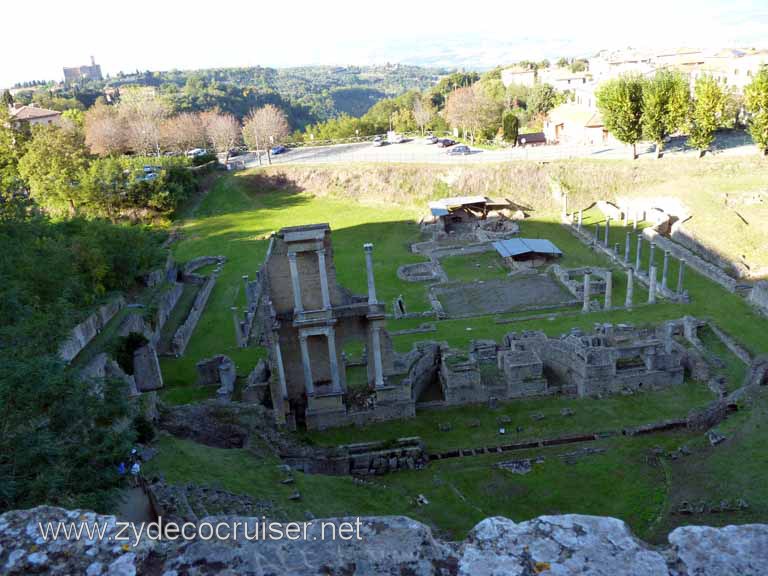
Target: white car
[
  {"x": 378, "y": 141},
  {"x": 430, "y": 140}
]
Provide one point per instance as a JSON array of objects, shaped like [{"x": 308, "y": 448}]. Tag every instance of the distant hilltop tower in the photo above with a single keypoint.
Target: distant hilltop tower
[{"x": 82, "y": 74}]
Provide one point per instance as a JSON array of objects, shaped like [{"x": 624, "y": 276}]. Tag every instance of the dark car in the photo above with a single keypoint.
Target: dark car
[
  {"x": 278, "y": 150},
  {"x": 459, "y": 150},
  {"x": 445, "y": 143}
]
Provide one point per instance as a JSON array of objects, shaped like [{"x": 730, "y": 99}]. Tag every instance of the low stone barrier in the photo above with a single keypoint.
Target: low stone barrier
[
  {"x": 84, "y": 332},
  {"x": 184, "y": 332},
  {"x": 363, "y": 459}
]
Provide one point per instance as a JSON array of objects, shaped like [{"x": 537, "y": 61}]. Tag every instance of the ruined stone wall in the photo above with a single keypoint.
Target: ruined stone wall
[
  {"x": 165, "y": 305},
  {"x": 688, "y": 239},
  {"x": 363, "y": 459},
  {"x": 759, "y": 296},
  {"x": 184, "y": 332},
  {"x": 393, "y": 546},
  {"x": 461, "y": 382},
  {"x": 693, "y": 259},
  {"x": 84, "y": 332}
]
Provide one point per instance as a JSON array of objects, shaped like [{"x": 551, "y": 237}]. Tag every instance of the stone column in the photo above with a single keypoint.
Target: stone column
[
  {"x": 238, "y": 328},
  {"x": 295, "y": 282},
  {"x": 639, "y": 252},
  {"x": 616, "y": 249},
  {"x": 247, "y": 292},
  {"x": 587, "y": 290},
  {"x": 581, "y": 219},
  {"x": 630, "y": 287},
  {"x": 323, "y": 279},
  {"x": 378, "y": 367},
  {"x": 665, "y": 271},
  {"x": 368, "y": 247},
  {"x": 634, "y": 220},
  {"x": 627, "y": 247},
  {"x": 680, "y": 277},
  {"x": 597, "y": 232},
  {"x": 280, "y": 368},
  {"x": 652, "y": 285},
  {"x": 309, "y": 384},
  {"x": 668, "y": 330},
  {"x": 651, "y": 261},
  {"x": 333, "y": 361},
  {"x": 607, "y": 231},
  {"x": 608, "y": 290}
]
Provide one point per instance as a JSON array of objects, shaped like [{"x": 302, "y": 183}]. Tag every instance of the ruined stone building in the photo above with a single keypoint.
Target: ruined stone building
[{"x": 306, "y": 318}]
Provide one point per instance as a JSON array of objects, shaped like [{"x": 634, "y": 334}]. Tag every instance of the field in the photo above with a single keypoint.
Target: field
[{"x": 627, "y": 480}]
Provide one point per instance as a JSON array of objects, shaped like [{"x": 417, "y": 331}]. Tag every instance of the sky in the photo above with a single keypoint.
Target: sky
[{"x": 41, "y": 37}]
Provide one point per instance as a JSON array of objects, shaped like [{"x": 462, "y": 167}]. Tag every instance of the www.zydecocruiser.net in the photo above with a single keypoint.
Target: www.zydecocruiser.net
[{"x": 132, "y": 533}]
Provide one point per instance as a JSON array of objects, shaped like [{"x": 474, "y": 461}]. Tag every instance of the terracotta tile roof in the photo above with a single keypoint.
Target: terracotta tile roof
[
  {"x": 32, "y": 112},
  {"x": 575, "y": 114}
]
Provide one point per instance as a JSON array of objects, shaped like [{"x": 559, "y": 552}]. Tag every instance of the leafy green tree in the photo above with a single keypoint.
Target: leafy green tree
[
  {"x": 12, "y": 145},
  {"x": 756, "y": 100},
  {"x": 542, "y": 99},
  {"x": 61, "y": 438},
  {"x": 666, "y": 102},
  {"x": 510, "y": 125},
  {"x": 709, "y": 107},
  {"x": 620, "y": 101},
  {"x": 6, "y": 99},
  {"x": 52, "y": 167}
]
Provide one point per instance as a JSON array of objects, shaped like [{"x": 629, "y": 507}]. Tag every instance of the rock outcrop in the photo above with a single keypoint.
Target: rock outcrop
[{"x": 556, "y": 545}]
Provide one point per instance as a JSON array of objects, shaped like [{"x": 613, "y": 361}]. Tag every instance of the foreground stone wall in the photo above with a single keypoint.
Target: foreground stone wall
[
  {"x": 84, "y": 332},
  {"x": 184, "y": 332},
  {"x": 395, "y": 545}
]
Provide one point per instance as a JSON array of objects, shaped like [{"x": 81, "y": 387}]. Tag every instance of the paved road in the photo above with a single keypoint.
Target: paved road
[{"x": 417, "y": 151}]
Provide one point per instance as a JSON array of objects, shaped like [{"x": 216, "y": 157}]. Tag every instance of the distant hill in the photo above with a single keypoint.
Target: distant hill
[{"x": 309, "y": 94}]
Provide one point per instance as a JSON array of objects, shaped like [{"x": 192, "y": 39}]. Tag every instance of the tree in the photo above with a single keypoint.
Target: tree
[
  {"x": 222, "y": 131},
  {"x": 542, "y": 99},
  {"x": 183, "y": 132},
  {"x": 510, "y": 125},
  {"x": 422, "y": 113},
  {"x": 756, "y": 100},
  {"x": 709, "y": 108},
  {"x": 13, "y": 141},
  {"x": 7, "y": 99},
  {"x": 666, "y": 102},
  {"x": 142, "y": 112},
  {"x": 470, "y": 110},
  {"x": 265, "y": 126},
  {"x": 105, "y": 131},
  {"x": 52, "y": 167},
  {"x": 620, "y": 101}
]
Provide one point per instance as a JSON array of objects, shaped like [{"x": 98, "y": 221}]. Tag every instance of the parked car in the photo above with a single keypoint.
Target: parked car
[
  {"x": 195, "y": 152},
  {"x": 379, "y": 141},
  {"x": 461, "y": 150},
  {"x": 278, "y": 150},
  {"x": 431, "y": 140},
  {"x": 445, "y": 143},
  {"x": 395, "y": 138}
]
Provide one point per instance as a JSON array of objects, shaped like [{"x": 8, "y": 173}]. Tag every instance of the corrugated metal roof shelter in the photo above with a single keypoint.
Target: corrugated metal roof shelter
[
  {"x": 444, "y": 206},
  {"x": 517, "y": 247}
]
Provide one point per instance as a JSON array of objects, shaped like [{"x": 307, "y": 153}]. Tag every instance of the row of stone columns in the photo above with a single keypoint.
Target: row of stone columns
[
  {"x": 652, "y": 285},
  {"x": 608, "y": 304}
]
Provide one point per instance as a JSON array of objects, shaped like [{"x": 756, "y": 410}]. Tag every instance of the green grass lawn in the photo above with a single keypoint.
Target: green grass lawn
[
  {"x": 476, "y": 426},
  {"x": 472, "y": 267},
  {"x": 619, "y": 482}
]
